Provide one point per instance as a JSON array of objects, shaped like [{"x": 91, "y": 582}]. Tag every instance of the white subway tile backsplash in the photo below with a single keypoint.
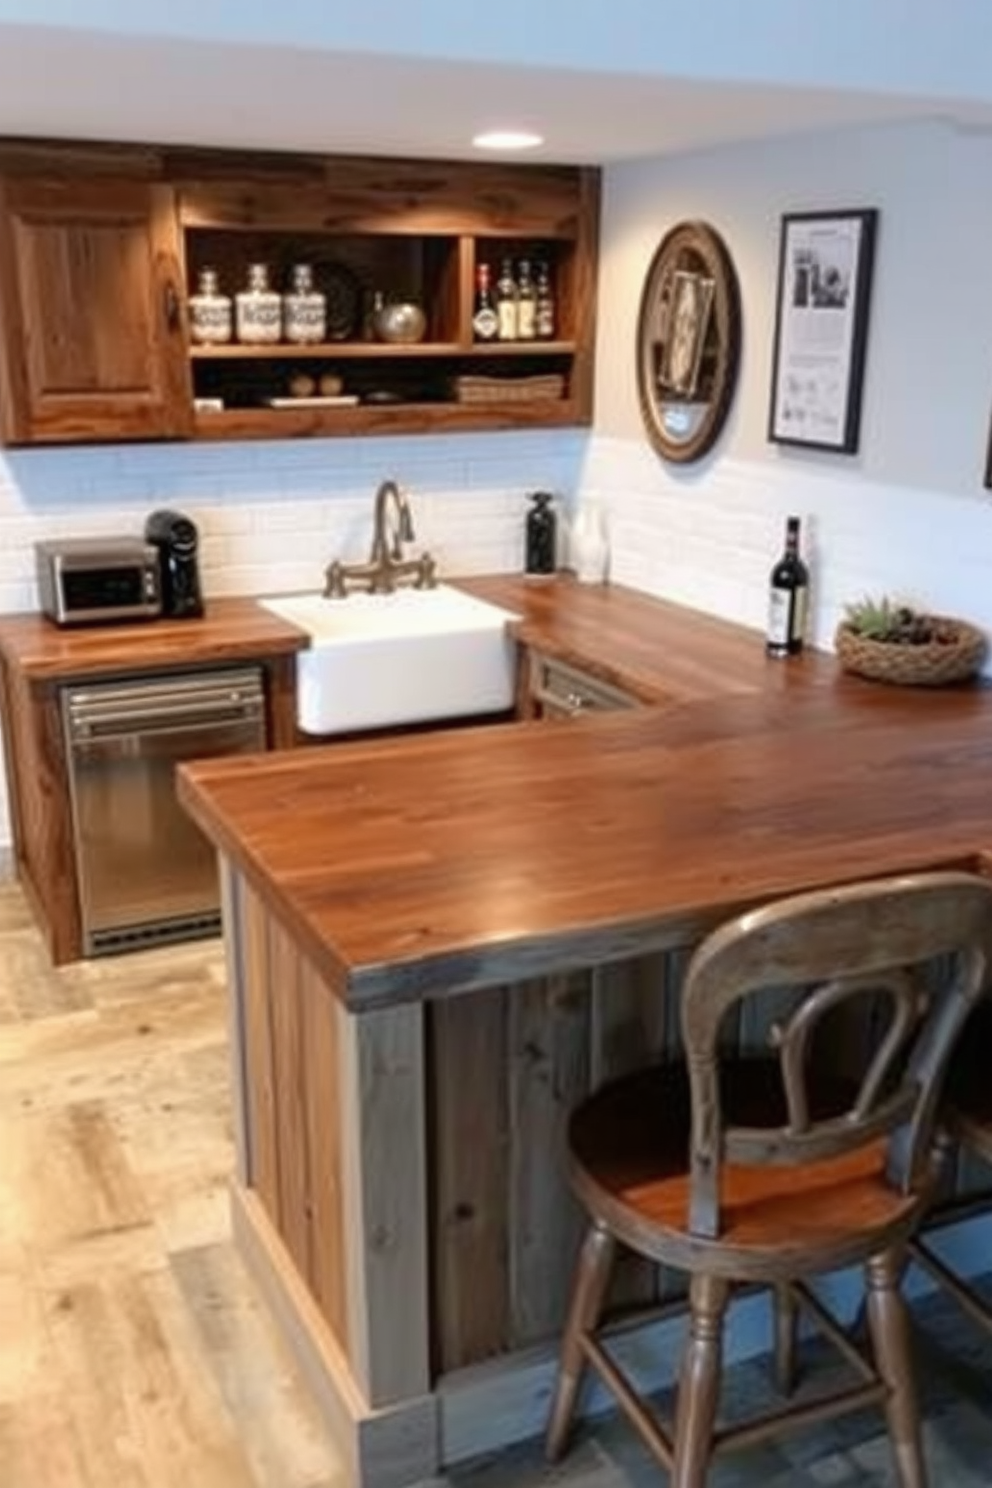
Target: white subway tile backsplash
[
  {"x": 710, "y": 541},
  {"x": 272, "y": 515}
]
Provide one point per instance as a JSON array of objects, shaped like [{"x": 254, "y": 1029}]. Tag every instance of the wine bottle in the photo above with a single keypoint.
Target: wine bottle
[
  {"x": 526, "y": 303},
  {"x": 544, "y": 310},
  {"x": 787, "y": 597},
  {"x": 506, "y": 302},
  {"x": 485, "y": 321}
]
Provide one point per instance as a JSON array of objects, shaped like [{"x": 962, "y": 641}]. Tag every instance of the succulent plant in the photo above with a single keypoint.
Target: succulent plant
[{"x": 894, "y": 624}]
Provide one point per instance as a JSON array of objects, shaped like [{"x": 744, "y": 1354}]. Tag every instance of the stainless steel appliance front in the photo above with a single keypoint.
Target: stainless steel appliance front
[
  {"x": 91, "y": 580},
  {"x": 146, "y": 873}
]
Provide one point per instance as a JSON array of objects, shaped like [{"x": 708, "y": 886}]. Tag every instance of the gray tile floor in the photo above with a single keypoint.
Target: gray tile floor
[{"x": 954, "y": 1369}]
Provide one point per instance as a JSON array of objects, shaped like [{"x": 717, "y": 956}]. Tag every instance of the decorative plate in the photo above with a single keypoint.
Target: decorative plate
[{"x": 343, "y": 291}]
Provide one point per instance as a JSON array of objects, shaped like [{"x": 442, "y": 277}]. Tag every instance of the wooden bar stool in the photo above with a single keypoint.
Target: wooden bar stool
[
  {"x": 764, "y": 1169},
  {"x": 966, "y": 1122}
]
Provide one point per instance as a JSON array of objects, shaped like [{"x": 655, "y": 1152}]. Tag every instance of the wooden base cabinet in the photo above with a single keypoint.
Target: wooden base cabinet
[
  {"x": 99, "y": 258},
  {"x": 38, "y": 770}
]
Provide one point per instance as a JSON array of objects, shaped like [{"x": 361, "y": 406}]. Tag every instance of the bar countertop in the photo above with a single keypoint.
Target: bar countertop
[{"x": 427, "y": 864}]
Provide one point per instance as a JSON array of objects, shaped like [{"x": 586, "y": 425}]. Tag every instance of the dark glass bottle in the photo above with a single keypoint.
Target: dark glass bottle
[
  {"x": 506, "y": 302},
  {"x": 787, "y": 597},
  {"x": 526, "y": 302},
  {"x": 541, "y": 534},
  {"x": 544, "y": 311},
  {"x": 485, "y": 321}
]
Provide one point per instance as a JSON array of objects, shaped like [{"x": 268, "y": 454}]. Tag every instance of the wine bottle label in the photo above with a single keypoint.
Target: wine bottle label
[
  {"x": 485, "y": 324},
  {"x": 798, "y": 626},
  {"x": 507, "y": 310},
  {"x": 786, "y": 617},
  {"x": 779, "y": 607},
  {"x": 526, "y": 320}
]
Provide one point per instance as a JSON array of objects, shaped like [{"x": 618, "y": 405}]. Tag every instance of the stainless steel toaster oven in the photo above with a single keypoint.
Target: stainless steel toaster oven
[{"x": 87, "y": 580}]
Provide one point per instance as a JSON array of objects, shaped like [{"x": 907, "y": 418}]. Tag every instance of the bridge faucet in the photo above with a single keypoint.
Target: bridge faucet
[{"x": 386, "y": 565}]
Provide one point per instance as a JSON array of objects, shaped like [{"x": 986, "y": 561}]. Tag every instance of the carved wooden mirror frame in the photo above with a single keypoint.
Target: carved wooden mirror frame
[{"x": 688, "y": 342}]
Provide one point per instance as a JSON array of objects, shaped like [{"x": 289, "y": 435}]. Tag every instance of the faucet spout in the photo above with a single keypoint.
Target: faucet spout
[
  {"x": 387, "y": 544},
  {"x": 392, "y": 527}
]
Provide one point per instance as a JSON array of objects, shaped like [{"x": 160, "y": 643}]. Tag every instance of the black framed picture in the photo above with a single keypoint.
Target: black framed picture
[{"x": 821, "y": 328}]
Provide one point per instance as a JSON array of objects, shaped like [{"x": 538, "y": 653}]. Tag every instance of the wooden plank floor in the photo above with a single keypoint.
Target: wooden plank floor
[{"x": 134, "y": 1352}]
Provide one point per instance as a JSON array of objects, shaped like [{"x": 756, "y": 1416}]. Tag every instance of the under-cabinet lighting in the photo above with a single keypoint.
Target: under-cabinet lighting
[{"x": 508, "y": 139}]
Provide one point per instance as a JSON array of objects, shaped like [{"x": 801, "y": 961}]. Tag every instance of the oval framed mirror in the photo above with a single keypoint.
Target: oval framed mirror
[{"x": 688, "y": 342}]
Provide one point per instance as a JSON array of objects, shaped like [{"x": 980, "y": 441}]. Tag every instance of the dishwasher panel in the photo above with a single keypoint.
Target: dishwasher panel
[{"x": 146, "y": 873}]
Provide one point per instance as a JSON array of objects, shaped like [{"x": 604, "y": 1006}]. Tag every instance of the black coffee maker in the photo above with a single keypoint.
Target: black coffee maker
[{"x": 175, "y": 537}]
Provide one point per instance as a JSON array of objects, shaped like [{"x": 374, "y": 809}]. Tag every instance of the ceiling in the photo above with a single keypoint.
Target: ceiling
[{"x": 78, "y": 84}]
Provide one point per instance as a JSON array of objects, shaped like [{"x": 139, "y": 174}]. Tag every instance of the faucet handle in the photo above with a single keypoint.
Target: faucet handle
[
  {"x": 426, "y": 572},
  {"x": 334, "y": 584}
]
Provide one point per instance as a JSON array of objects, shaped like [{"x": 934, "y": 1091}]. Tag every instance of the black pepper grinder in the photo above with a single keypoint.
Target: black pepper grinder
[{"x": 541, "y": 532}]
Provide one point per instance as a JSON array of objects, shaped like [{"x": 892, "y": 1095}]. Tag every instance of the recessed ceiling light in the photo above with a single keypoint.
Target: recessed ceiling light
[{"x": 507, "y": 139}]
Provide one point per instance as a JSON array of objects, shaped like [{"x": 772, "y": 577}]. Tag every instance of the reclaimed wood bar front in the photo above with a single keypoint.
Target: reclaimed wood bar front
[{"x": 438, "y": 943}]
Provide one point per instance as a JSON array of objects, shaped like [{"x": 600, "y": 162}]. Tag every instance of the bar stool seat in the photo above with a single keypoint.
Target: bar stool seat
[
  {"x": 737, "y": 1169},
  {"x": 629, "y": 1162}
]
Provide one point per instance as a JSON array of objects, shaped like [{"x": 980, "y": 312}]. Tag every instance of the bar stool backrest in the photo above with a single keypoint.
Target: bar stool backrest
[{"x": 841, "y": 946}]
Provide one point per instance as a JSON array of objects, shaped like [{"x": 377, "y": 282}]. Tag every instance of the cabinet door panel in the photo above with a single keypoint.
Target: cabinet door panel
[{"x": 93, "y": 343}]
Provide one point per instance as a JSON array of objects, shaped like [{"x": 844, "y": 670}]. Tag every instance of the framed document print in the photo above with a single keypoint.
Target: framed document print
[{"x": 821, "y": 328}]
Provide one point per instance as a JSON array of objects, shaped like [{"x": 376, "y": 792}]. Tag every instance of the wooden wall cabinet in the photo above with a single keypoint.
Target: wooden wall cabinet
[
  {"x": 99, "y": 253},
  {"x": 92, "y": 343}
]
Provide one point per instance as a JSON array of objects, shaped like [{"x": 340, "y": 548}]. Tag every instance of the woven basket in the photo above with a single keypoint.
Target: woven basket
[
  {"x": 955, "y": 656},
  {"x": 478, "y": 389}
]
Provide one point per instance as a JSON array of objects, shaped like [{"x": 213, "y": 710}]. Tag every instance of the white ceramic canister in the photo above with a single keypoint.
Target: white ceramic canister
[{"x": 588, "y": 544}]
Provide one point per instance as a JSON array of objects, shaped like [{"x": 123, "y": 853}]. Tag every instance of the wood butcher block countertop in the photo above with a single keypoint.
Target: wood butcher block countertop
[
  {"x": 427, "y": 864},
  {"x": 230, "y": 630}
]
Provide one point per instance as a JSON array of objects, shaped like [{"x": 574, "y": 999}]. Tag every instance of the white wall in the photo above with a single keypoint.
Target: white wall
[
  {"x": 272, "y": 515},
  {"x": 909, "y": 513}
]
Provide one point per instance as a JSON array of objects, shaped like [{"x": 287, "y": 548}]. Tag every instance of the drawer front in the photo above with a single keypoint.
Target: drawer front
[{"x": 561, "y": 691}]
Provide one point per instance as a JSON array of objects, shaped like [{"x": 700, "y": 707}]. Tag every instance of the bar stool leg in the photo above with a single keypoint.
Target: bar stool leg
[
  {"x": 786, "y": 1325},
  {"x": 592, "y": 1277},
  {"x": 699, "y": 1381},
  {"x": 888, "y": 1321}
]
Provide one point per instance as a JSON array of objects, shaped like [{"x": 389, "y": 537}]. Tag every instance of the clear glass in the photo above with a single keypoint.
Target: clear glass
[
  {"x": 211, "y": 317},
  {"x": 304, "y": 309},
  {"x": 259, "y": 309}
]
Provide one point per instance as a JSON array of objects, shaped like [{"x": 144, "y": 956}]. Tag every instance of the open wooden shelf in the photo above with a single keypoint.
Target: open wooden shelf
[
  {"x": 365, "y": 350},
  {"x": 399, "y": 418}
]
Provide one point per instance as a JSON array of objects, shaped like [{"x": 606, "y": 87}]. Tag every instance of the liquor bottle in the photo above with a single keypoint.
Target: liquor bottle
[
  {"x": 304, "y": 308},
  {"x": 544, "y": 310},
  {"x": 526, "y": 303},
  {"x": 211, "y": 320},
  {"x": 506, "y": 302},
  {"x": 788, "y": 595},
  {"x": 541, "y": 535},
  {"x": 485, "y": 321},
  {"x": 258, "y": 309}
]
